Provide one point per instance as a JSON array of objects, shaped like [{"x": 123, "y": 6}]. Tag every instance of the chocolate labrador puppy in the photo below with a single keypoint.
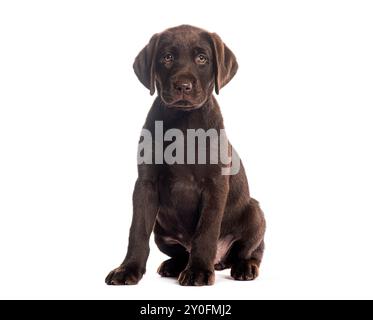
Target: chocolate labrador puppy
[{"x": 203, "y": 219}]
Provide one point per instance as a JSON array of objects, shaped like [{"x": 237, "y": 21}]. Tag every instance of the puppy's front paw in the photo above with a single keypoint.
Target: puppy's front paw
[
  {"x": 124, "y": 276},
  {"x": 245, "y": 270},
  {"x": 196, "y": 277}
]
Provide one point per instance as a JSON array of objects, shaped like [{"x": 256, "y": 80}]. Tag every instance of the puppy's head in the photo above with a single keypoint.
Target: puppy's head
[{"x": 185, "y": 64}]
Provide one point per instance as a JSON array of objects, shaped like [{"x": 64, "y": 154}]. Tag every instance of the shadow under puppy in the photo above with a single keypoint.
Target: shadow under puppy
[{"x": 203, "y": 219}]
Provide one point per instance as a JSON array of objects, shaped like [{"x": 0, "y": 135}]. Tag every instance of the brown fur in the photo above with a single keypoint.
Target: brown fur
[{"x": 202, "y": 219}]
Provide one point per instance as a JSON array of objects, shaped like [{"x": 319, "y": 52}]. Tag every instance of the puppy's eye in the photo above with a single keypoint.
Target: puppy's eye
[
  {"x": 201, "y": 59},
  {"x": 168, "y": 58}
]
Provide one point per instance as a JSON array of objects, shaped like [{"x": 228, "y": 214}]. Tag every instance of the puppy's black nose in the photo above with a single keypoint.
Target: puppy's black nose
[{"x": 183, "y": 86}]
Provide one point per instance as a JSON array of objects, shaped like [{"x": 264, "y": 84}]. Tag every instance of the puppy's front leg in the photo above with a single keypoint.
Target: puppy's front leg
[
  {"x": 200, "y": 268},
  {"x": 145, "y": 208}
]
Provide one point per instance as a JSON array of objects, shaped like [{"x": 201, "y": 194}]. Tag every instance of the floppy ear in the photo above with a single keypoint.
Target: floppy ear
[
  {"x": 225, "y": 63},
  {"x": 144, "y": 64}
]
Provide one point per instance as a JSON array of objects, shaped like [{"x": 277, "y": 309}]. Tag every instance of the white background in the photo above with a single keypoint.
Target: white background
[{"x": 299, "y": 112}]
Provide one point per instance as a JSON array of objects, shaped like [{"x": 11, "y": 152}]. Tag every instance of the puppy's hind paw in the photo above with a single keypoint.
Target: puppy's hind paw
[{"x": 245, "y": 270}]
